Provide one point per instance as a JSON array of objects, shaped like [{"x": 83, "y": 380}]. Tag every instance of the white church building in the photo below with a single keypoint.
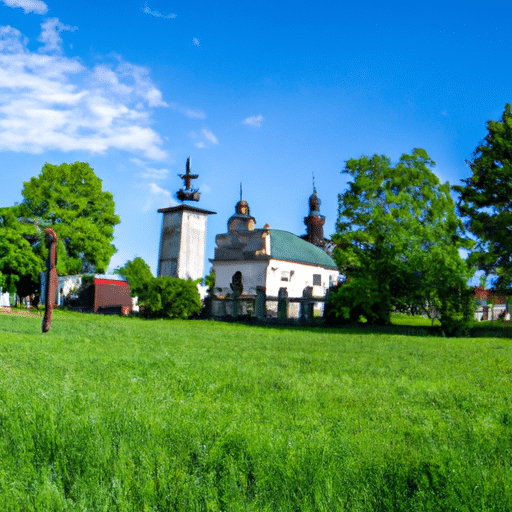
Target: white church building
[{"x": 271, "y": 259}]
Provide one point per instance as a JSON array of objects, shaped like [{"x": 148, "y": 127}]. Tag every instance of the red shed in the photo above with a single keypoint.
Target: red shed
[{"x": 104, "y": 294}]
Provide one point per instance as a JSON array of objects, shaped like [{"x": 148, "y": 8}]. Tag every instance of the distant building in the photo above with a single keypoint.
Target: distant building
[{"x": 271, "y": 260}]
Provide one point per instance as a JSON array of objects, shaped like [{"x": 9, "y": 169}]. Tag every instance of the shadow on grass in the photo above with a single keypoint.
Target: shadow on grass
[{"x": 494, "y": 329}]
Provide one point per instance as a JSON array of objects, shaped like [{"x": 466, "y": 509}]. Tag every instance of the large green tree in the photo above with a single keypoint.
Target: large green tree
[
  {"x": 139, "y": 275},
  {"x": 70, "y": 199},
  {"x": 398, "y": 239},
  {"x": 486, "y": 200}
]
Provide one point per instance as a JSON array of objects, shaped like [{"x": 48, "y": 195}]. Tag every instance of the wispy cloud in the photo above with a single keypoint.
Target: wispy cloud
[
  {"x": 158, "y": 198},
  {"x": 50, "y": 35},
  {"x": 51, "y": 102},
  {"x": 28, "y": 6},
  {"x": 148, "y": 172},
  {"x": 254, "y": 121},
  {"x": 187, "y": 111},
  {"x": 209, "y": 136},
  {"x": 156, "y": 14},
  {"x": 205, "y": 139},
  {"x": 196, "y": 41}
]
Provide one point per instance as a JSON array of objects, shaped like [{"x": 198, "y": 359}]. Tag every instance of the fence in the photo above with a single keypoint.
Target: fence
[{"x": 263, "y": 307}]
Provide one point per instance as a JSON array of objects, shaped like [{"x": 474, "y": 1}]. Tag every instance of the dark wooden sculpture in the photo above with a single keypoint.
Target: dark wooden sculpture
[
  {"x": 52, "y": 280},
  {"x": 188, "y": 193}
]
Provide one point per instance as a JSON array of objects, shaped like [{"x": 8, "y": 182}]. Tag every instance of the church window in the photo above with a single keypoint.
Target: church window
[{"x": 317, "y": 280}]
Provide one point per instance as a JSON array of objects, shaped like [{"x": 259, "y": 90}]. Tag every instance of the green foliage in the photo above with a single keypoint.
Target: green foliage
[
  {"x": 19, "y": 266},
  {"x": 139, "y": 275},
  {"x": 398, "y": 238},
  {"x": 486, "y": 200},
  {"x": 69, "y": 198},
  {"x": 171, "y": 297},
  {"x": 109, "y": 413}
]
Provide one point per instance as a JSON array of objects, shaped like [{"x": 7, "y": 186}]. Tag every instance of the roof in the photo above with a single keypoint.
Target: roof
[
  {"x": 289, "y": 247},
  {"x": 185, "y": 207}
]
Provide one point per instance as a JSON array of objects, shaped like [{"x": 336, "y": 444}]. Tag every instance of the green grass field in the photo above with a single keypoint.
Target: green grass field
[{"x": 121, "y": 414}]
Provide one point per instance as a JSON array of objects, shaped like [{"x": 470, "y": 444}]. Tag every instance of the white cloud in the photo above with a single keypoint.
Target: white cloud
[
  {"x": 12, "y": 40},
  {"x": 50, "y": 35},
  {"x": 150, "y": 172},
  {"x": 254, "y": 121},
  {"x": 158, "y": 198},
  {"x": 195, "y": 41},
  {"x": 156, "y": 14},
  {"x": 204, "y": 139},
  {"x": 209, "y": 136},
  {"x": 28, "y": 6},
  {"x": 51, "y": 102},
  {"x": 186, "y": 111}
]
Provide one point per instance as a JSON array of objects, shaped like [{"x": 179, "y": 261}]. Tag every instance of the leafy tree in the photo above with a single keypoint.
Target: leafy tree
[
  {"x": 69, "y": 198},
  {"x": 171, "y": 297},
  {"x": 139, "y": 275},
  {"x": 486, "y": 201},
  {"x": 398, "y": 239},
  {"x": 20, "y": 267}
]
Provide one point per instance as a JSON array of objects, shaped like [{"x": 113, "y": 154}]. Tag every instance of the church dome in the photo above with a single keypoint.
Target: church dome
[{"x": 242, "y": 208}]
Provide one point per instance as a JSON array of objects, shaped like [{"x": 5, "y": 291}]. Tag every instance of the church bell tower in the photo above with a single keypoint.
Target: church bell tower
[
  {"x": 183, "y": 236},
  {"x": 314, "y": 221}
]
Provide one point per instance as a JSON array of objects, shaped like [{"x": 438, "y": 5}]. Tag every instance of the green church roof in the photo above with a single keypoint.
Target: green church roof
[{"x": 289, "y": 247}]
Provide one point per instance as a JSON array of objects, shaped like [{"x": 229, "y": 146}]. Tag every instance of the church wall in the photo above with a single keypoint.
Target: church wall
[
  {"x": 253, "y": 275},
  {"x": 296, "y": 276}
]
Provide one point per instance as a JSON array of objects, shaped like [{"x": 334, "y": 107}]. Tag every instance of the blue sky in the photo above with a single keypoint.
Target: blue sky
[{"x": 263, "y": 93}]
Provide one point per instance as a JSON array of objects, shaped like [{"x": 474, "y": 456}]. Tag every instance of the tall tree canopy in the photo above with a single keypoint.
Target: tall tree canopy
[
  {"x": 69, "y": 198},
  {"x": 398, "y": 240},
  {"x": 486, "y": 200}
]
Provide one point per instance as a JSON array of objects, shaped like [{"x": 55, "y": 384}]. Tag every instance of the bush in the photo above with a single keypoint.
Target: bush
[
  {"x": 457, "y": 310},
  {"x": 356, "y": 298},
  {"x": 171, "y": 297}
]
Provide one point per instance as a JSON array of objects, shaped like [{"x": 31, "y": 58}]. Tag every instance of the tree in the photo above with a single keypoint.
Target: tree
[
  {"x": 20, "y": 267},
  {"x": 398, "y": 239},
  {"x": 69, "y": 198},
  {"x": 139, "y": 275},
  {"x": 486, "y": 201}
]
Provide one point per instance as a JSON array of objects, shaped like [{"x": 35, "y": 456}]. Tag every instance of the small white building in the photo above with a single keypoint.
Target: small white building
[{"x": 270, "y": 260}]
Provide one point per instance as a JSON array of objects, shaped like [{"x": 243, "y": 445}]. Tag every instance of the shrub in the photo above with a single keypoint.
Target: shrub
[
  {"x": 171, "y": 297},
  {"x": 357, "y": 298}
]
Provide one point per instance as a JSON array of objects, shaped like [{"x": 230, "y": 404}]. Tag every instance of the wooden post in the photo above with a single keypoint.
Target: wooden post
[{"x": 52, "y": 280}]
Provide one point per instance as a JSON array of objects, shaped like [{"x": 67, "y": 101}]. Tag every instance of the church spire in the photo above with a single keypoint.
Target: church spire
[{"x": 314, "y": 221}]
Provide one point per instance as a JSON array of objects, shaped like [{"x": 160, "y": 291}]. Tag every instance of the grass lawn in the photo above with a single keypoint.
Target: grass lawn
[{"x": 108, "y": 413}]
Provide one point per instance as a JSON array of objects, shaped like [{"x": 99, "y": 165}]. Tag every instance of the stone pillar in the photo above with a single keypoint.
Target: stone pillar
[
  {"x": 282, "y": 305},
  {"x": 306, "y": 307},
  {"x": 260, "y": 302}
]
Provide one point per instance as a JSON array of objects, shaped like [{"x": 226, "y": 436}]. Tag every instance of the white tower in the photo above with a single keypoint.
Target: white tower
[
  {"x": 183, "y": 237},
  {"x": 183, "y": 242}
]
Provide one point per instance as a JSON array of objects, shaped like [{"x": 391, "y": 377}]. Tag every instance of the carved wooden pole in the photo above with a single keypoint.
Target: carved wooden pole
[{"x": 52, "y": 281}]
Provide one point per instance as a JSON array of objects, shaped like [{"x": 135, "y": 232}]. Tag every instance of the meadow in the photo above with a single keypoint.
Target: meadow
[{"x": 121, "y": 414}]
